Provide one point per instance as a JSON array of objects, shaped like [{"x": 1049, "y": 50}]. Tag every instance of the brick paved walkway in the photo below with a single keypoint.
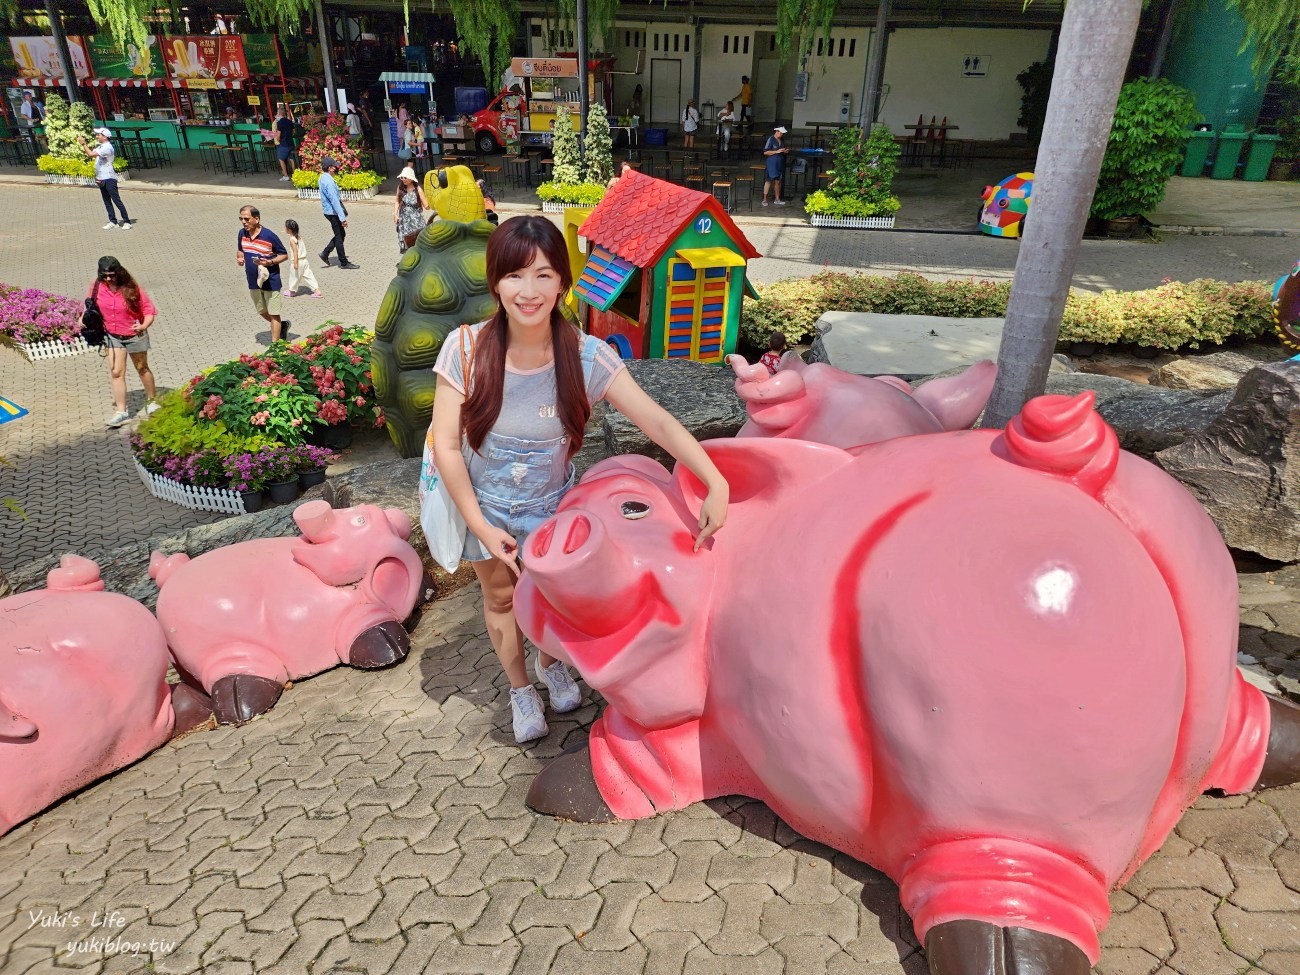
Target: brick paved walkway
[{"x": 374, "y": 822}]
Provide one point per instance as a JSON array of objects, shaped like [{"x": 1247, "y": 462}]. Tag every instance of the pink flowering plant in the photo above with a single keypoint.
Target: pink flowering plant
[
  {"x": 312, "y": 458},
  {"x": 334, "y": 363},
  {"x": 327, "y": 135},
  {"x": 30, "y": 315}
]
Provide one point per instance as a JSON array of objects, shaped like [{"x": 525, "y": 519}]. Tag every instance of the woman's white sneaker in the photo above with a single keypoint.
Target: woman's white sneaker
[
  {"x": 529, "y": 719},
  {"x": 564, "y": 693}
]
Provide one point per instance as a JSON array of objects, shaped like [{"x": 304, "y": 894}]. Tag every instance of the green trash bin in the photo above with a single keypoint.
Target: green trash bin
[
  {"x": 1198, "y": 151},
  {"x": 1231, "y": 141},
  {"x": 1260, "y": 157}
]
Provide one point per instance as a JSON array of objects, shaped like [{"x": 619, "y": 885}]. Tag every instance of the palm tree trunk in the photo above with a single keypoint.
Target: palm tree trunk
[{"x": 1096, "y": 38}]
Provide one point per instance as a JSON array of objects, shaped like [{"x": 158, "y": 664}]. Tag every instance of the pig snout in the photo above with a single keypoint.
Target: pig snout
[{"x": 582, "y": 572}]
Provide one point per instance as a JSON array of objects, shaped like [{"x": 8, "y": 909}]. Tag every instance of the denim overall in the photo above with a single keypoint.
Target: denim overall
[{"x": 521, "y": 482}]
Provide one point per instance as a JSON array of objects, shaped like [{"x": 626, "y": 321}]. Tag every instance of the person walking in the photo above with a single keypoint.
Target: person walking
[
  {"x": 746, "y": 99},
  {"x": 775, "y": 151},
  {"x": 297, "y": 267},
  {"x": 354, "y": 122},
  {"x": 128, "y": 316},
  {"x": 408, "y": 209},
  {"x": 284, "y": 142},
  {"x": 690, "y": 122},
  {"x": 513, "y": 397},
  {"x": 106, "y": 176},
  {"x": 260, "y": 253},
  {"x": 331, "y": 204}
]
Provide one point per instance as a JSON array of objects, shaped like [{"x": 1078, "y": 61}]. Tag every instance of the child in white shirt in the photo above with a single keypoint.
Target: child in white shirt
[{"x": 297, "y": 270}]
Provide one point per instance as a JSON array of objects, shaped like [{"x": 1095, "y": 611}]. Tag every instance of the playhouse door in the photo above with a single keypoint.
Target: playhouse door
[{"x": 697, "y": 304}]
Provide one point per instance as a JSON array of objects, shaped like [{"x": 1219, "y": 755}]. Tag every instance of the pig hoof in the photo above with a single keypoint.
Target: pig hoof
[
  {"x": 242, "y": 697},
  {"x": 566, "y": 789},
  {"x": 380, "y": 646},
  {"x": 980, "y": 948},
  {"x": 1282, "y": 762},
  {"x": 193, "y": 709}
]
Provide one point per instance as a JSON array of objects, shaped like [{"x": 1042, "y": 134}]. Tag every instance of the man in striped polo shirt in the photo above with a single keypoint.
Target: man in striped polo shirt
[{"x": 258, "y": 248}]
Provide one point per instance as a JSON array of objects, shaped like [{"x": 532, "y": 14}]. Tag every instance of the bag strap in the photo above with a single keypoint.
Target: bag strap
[
  {"x": 466, "y": 358},
  {"x": 94, "y": 294}
]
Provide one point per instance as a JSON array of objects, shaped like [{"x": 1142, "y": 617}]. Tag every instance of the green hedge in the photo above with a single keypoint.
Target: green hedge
[
  {"x": 1172, "y": 316},
  {"x": 362, "y": 179},
  {"x": 74, "y": 167}
]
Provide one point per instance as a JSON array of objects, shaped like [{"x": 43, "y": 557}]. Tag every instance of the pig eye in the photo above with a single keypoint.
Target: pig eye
[
  {"x": 359, "y": 521},
  {"x": 634, "y": 510}
]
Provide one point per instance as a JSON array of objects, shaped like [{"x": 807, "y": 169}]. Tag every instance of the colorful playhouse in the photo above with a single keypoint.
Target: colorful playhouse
[{"x": 665, "y": 273}]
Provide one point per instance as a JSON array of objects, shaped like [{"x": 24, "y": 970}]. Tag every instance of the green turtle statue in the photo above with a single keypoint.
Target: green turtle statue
[{"x": 441, "y": 284}]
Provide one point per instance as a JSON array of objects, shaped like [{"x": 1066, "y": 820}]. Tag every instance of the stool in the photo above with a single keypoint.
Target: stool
[
  {"x": 158, "y": 151},
  {"x": 745, "y": 184},
  {"x": 491, "y": 174},
  {"x": 237, "y": 159},
  {"x": 210, "y": 153},
  {"x": 695, "y": 180},
  {"x": 722, "y": 193}
]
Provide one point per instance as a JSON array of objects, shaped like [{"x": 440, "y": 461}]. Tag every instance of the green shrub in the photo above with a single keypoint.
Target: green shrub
[
  {"x": 74, "y": 167},
  {"x": 175, "y": 430},
  {"x": 1148, "y": 137},
  {"x": 825, "y": 205},
  {"x": 582, "y": 194},
  {"x": 363, "y": 180},
  {"x": 864, "y": 169},
  {"x": 1174, "y": 315}
]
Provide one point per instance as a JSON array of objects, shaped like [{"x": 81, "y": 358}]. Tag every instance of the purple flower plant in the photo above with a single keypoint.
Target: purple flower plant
[{"x": 30, "y": 315}]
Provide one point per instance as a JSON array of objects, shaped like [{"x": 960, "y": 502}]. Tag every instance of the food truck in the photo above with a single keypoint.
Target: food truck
[{"x": 523, "y": 114}]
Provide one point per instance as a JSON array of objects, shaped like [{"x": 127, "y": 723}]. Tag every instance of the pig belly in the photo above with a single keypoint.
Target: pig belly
[
  {"x": 1024, "y": 669},
  {"x": 267, "y": 616},
  {"x": 96, "y": 690}
]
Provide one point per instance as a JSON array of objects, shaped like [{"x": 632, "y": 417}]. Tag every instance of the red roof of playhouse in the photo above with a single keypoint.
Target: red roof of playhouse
[{"x": 640, "y": 216}]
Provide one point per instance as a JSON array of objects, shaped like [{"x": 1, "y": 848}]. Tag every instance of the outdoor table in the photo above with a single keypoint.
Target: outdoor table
[
  {"x": 136, "y": 132},
  {"x": 248, "y": 135},
  {"x": 815, "y": 159},
  {"x": 818, "y": 126},
  {"x": 633, "y": 137}
]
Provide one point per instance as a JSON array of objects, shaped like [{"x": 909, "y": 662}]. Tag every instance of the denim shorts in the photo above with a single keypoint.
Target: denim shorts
[{"x": 519, "y": 518}]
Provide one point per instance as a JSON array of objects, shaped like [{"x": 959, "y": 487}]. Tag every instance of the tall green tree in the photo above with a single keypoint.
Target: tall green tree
[
  {"x": 567, "y": 170},
  {"x": 1091, "y": 59},
  {"x": 599, "y": 146}
]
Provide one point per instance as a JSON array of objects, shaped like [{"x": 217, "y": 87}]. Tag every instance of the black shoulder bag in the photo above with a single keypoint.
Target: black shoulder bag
[{"x": 92, "y": 320}]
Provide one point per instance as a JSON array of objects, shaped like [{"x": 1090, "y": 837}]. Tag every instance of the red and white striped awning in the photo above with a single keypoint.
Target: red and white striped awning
[
  {"x": 131, "y": 82},
  {"x": 224, "y": 84},
  {"x": 36, "y": 83}
]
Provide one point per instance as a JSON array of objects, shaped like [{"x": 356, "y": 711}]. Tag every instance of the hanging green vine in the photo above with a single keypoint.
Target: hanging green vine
[
  {"x": 487, "y": 29},
  {"x": 801, "y": 21},
  {"x": 281, "y": 15},
  {"x": 1272, "y": 26},
  {"x": 125, "y": 20},
  {"x": 601, "y": 15}
]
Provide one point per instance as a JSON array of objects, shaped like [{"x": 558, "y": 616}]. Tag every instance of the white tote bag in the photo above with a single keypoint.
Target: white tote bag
[{"x": 444, "y": 528}]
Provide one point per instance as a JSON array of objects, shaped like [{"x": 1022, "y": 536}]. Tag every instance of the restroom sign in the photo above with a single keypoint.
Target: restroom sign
[{"x": 975, "y": 66}]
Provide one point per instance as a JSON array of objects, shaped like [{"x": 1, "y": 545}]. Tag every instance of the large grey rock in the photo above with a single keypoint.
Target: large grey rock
[
  {"x": 1244, "y": 467},
  {"x": 869, "y": 344},
  {"x": 1146, "y": 418},
  {"x": 703, "y": 398},
  {"x": 1218, "y": 370}
]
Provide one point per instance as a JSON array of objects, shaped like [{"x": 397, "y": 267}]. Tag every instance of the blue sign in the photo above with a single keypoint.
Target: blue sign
[{"x": 408, "y": 88}]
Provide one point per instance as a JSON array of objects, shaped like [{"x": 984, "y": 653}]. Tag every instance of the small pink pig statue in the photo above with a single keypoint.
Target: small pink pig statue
[
  {"x": 245, "y": 619},
  {"x": 83, "y": 689},
  {"x": 827, "y": 405},
  {"x": 996, "y": 665}
]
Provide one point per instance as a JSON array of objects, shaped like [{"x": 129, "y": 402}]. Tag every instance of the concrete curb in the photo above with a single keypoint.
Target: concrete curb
[{"x": 1223, "y": 231}]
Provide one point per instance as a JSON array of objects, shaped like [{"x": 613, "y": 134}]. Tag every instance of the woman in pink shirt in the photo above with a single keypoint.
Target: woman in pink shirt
[{"x": 128, "y": 314}]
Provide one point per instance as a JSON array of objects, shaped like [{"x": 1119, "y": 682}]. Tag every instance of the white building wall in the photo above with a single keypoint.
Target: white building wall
[
  {"x": 727, "y": 55},
  {"x": 924, "y": 72},
  {"x": 839, "y": 68}
]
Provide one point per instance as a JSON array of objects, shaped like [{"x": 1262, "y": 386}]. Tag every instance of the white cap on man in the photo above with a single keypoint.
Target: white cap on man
[
  {"x": 104, "y": 132},
  {"x": 782, "y": 129}
]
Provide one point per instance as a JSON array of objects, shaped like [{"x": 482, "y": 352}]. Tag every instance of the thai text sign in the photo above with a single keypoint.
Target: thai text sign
[
  {"x": 545, "y": 67},
  {"x": 217, "y": 56}
]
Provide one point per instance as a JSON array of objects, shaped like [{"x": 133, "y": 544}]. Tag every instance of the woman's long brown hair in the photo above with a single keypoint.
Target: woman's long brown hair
[
  {"x": 516, "y": 244},
  {"x": 125, "y": 283}
]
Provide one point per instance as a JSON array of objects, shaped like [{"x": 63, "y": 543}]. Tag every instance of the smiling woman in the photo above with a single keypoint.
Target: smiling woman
[{"x": 513, "y": 398}]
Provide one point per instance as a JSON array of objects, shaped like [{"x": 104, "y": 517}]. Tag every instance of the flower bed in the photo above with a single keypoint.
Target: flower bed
[
  {"x": 242, "y": 425},
  {"x": 308, "y": 193},
  {"x": 39, "y": 324},
  {"x": 122, "y": 176},
  {"x": 190, "y": 496},
  {"x": 354, "y": 184},
  {"x": 1172, "y": 316},
  {"x": 852, "y": 223}
]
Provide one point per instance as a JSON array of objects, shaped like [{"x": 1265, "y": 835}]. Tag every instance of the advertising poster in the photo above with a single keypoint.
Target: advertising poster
[
  {"x": 110, "y": 61},
  {"x": 259, "y": 54},
  {"x": 212, "y": 57},
  {"x": 38, "y": 57}
]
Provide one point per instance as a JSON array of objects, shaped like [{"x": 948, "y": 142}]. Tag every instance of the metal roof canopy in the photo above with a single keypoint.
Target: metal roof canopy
[{"x": 420, "y": 77}]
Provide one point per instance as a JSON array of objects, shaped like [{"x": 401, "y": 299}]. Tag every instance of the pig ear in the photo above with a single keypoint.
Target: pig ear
[
  {"x": 400, "y": 521},
  {"x": 958, "y": 400},
  {"x": 762, "y": 466},
  {"x": 75, "y": 573},
  {"x": 314, "y": 519},
  {"x": 624, "y": 463}
]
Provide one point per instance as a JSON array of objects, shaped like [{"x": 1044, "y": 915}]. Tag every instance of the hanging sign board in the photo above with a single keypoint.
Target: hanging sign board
[
  {"x": 407, "y": 87},
  {"x": 259, "y": 54},
  {"x": 545, "y": 67},
  {"x": 218, "y": 56},
  {"x": 254, "y": 99},
  {"x": 38, "y": 57},
  {"x": 110, "y": 61}
]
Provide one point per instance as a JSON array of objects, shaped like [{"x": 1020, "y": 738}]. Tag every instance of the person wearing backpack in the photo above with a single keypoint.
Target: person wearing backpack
[
  {"x": 128, "y": 316},
  {"x": 690, "y": 122}
]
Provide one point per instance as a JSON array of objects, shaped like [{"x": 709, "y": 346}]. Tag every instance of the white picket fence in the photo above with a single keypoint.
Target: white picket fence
[
  {"x": 311, "y": 193},
  {"x": 553, "y": 206},
  {"x": 34, "y": 351},
  {"x": 189, "y": 496},
  {"x": 122, "y": 177},
  {"x": 853, "y": 223}
]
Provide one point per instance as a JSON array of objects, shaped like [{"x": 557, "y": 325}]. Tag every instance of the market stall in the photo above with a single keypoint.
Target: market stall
[{"x": 410, "y": 83}]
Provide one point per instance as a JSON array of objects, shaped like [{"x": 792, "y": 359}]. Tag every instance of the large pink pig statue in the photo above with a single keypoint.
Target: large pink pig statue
[
  {"x": 83, "y": 688},
  {"x": 827, "y": 405},
  {"x": 996, "y": 665},
  {"x": 244, "y": 619}
]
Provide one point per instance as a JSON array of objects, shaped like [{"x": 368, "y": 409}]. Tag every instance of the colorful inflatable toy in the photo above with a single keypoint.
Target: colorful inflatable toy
[
  {"x": 995, "y": 665},
  {"x": 1286, "y": 308},
  {"x": 1006, "y": 206},
  {"x": 441, "y": 283}
]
